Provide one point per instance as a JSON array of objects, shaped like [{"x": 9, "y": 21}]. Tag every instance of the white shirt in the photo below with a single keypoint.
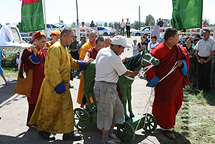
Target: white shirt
[
  {"x": 109, "y": 66},
  {"x": 162, "y": 35},
  {"x": 151, "y": 46},
  {"x": 135, "y": 47},
  {"x": 112, "y": 30},
  {"x": 123, "y": 24},
  {"x": 128, "y": 23},
  {"x": 205, "y": 47}
]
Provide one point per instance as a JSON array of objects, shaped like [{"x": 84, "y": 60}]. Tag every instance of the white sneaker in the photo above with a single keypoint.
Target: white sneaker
[
  {"x": 110, "y": 141},
  {"x": 113, "y": 136}
]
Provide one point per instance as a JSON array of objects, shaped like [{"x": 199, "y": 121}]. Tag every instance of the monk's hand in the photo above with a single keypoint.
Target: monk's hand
[
  {"x": 88, "y": 61},
  {"x": 34, "y": 50},
  {"x": 125, "y": 59},
  {"x": 135, "y": 72},
  {"x": 180, "y": 63}
]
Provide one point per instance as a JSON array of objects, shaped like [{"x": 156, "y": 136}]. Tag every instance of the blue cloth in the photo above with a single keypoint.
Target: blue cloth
[
  {"x": 184, "y": 69},
  {"x": 135, "y": 52},
  {"x": 60, "y": 88},
  {"x": 1, "y": 70},
  {"x": 35, "y": 59},
  {"x": 82, "y": 64},
  {"x": 153, "y": 82}
]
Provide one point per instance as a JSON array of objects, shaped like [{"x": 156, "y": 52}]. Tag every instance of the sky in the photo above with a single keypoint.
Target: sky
[{"x": 99, "y": 10}]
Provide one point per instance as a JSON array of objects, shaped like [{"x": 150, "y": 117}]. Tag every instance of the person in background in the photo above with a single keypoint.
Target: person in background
[
  {"x": 92, "y": 24},
  {"x": 90, "y": 44},
  {"x": 82, "y": 27},
  {"x": 128, "y": 28},
  {"x": 1, "y": 70},
  {"x": 160, "y": 23},
  {"x": 92, "y": 53},
  {"x": 73, "y": 48},
  {"x": 34, "y": 58},
  {"x": 205, "y": 50},
  {"x": 142, "y": 45},
  {"x": 82, "y": 42},
  {"x": 146, "y": 39},
  {"x": 135, "y": 50},
  {"x": 112, "y": 31},
  {"x": 192, "y": 61},
  {"x": 55, "y": 37},
  {"x": 107, "y": 42},
  {"x": 17, "y": 60},
  {"x": 122, "y": 24},
  {"x": 162, "y": 33},
  {"x": 153, "y": 43}
]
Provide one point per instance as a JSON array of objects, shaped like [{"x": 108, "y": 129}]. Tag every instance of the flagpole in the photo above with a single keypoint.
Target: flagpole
[
  {"x": 77, "y": 28},
  {"x": 44, "y": 9}
]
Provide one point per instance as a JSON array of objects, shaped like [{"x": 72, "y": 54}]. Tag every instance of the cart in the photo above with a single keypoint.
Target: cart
[{"x": 125, "y": 131}]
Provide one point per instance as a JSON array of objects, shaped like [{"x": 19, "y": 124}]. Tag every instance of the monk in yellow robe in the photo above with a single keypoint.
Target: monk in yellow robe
[
  {"x": 55, "y": 37},
  {"x": 54, "y": 109},
  {"x": 91, "y": 43}
]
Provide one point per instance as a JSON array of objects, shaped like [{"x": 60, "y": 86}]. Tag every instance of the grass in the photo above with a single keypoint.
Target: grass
[
  {"x": 10, "y": 72},
  {"x": 196, "y": 118}
]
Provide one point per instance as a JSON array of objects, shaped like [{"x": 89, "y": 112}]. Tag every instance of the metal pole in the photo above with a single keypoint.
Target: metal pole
[
  {"x": 139, "y": 17},
  {"x": 77, "y": 28},
  {"x": 44, "y": 9}
]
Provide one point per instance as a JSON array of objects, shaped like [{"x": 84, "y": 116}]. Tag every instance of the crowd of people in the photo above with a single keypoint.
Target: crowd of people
[{"x": 50, "y": 106}]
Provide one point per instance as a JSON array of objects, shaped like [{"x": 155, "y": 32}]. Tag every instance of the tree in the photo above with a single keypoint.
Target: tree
[
  {"x": 110, "y": 24},
  {"x": 0, "y": 25},
  {"x": 152, "y": 22},
  {"x": 105, "y": 24},
  {"x": 148, "y": 19},
  {"x": 73, "y": 25},
  {"x": 206, "y": 20},
  {"x": 135, "y": 24},
  {"x": 87, "y": 24},
  {"x": 61, "y": 21}
]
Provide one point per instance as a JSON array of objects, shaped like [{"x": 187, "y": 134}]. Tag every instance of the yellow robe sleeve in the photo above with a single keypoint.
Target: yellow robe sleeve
[{"x": 52, "y": 66}]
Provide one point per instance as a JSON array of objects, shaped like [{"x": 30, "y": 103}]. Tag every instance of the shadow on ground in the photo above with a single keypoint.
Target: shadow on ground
[{"x": 6, "y": 91}]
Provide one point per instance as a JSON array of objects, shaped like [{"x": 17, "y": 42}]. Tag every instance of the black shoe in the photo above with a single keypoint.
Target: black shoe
[
  {"x": 73, "y": 137},
  {"x": 46, "y": 135}
]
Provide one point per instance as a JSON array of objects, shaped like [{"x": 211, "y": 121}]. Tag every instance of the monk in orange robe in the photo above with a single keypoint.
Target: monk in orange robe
[{"x": 90, "y": 44}]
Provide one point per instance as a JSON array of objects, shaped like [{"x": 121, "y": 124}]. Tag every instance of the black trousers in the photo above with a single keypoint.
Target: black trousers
[
  {"x": 204, "y": 71},
  {"x": 128, "y": 31}
]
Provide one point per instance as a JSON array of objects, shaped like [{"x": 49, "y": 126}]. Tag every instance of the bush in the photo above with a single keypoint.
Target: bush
[{"x": 10, "y": 60}]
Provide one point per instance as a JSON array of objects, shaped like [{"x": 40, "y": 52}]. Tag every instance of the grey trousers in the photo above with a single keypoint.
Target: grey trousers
[{"x": 109, "y": 109}]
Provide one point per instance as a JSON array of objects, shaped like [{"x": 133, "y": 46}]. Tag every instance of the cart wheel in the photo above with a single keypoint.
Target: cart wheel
[
  {"x": 150, "y": 122},
  {"x": 125, "y": 132},
  {"x": 81, "y": 119}
]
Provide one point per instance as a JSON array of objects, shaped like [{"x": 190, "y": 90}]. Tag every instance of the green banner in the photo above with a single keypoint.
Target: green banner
[
  {"x": 187, "y": 14},
  {"x": 32, "y": 16}
]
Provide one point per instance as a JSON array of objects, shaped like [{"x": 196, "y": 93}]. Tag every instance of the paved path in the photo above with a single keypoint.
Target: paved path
[{"x": 13, "y": 113}]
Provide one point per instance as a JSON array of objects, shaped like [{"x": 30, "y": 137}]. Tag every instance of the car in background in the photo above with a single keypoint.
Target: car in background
[
  {"x": 143, "y": 31},
  {"x": 103, "y": 31}
]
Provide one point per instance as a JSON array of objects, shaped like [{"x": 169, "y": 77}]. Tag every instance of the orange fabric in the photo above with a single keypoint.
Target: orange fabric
[
  {"x": 49, "y": 44},
  {"x": 81, "y": 91},
  {"x": 84, "y": 49}
]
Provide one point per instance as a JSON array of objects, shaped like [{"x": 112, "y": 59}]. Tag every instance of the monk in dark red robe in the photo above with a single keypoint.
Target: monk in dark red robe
[
  {"x": 169, "y": 92},
  {"x": 34, "y": 59}
]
